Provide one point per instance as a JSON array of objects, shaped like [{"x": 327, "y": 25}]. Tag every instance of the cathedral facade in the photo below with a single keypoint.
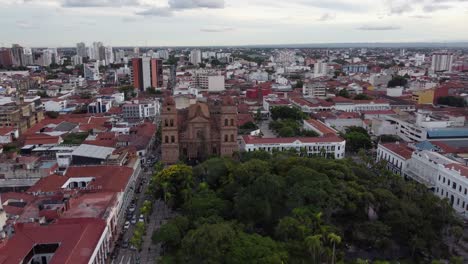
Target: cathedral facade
[{"x": 200, "y": 131}]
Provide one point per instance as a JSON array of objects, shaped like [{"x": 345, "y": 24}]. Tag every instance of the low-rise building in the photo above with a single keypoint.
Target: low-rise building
[
  {"x": 452, "y": 184},
  {"x": 140, "y": 109},
  {"x": 330, "y": 146},
  {"x": 397, "y": 156}
]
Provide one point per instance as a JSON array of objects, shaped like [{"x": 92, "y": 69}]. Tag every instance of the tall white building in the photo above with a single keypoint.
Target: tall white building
[
  {"x": 81, "y": 49},
  {"x": 77, "y": 60},
  {"x": 109, "y": 55},
  {"x": 97, "y": 50},
  {"x": 91, "y": 71},
  {"x": 419, "y": 59},
  {"x": 119, "y": 56},
  {"x": 163, "y": 54},
  {"x": 195, "y": 56},
  {"x": 146, "y": 69},
  {"x": 320, "y": 69},
  {"x": 442, "y": 61}
]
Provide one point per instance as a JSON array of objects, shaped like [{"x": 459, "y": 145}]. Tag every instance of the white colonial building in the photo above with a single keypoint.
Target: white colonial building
[
  {"x": 452, "y": 183},
  {"x": 397, "y": 156},
  {"x": 424, "y": 166},
  {"x": 330, "y": 146}
]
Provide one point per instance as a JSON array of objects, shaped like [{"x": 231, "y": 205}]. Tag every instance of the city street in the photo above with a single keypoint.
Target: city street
[
  {"x": 160, "y": 214},
  {"x": 267, "y": 133}
]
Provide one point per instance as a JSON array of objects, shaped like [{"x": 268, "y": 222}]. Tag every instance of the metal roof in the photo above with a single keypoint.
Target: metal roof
[
  {"x": 92, "y": 151},
  {"x": 448, "y": 133}
]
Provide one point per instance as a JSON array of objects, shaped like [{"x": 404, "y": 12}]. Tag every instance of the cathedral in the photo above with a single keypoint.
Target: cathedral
[{"x": 198, "y": 132}]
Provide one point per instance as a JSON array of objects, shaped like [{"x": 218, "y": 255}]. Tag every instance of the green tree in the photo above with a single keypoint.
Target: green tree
[
  {"x": 452, "y": 101},
  {"x": 254, "y": 248},
  {"x": 147, "y": 208},
  {"x": 362, "y": 97},
  {"x": 209, "y": 243},
  {"x": 286, "y": 132},
  {"x": 52, "y": 114},
  {"x": 315, "y": 247},
  {"x": 334, "y": 239},
  {"x": 344, "y": 93},
  {"x": 174, "y": 184},
  {"x": 397, "y": 81},
  {"x": 299, "y": 84}
]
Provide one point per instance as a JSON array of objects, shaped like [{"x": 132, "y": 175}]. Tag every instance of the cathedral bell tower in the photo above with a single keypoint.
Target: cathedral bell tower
[{"x": 170, "y": 132}]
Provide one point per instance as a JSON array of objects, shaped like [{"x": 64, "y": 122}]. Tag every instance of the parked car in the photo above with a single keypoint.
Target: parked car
[
  {"x": 127, "y": 225},
  {"x": 125, "y": 244},
  {"x": 141, "y": 219},
  {"x": 134, "y": 220},
  {"x": 129, "y": 216}
]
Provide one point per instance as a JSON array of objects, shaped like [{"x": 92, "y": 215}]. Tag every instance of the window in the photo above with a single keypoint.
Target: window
[
  {"x": 225, "y": 122},
  {"x": 439, "y": 177},
  {"x": 448, "y": 182},
  {"x": 172, "y": 139},
  {"x": 465, "y": 191},
  {"x": 443, "y": 180},
  {"x": 166, "y": 139},
  {"x": 172, "y": 122},
  {"x": 232, "y": 138},
  {"x": 226, "y": 137},
  {"x": 232, "y": 122},
  {"x": 454, "y": 185},
  {"x": 458, "y": 201},
  {"x": 165, "y": 123}
]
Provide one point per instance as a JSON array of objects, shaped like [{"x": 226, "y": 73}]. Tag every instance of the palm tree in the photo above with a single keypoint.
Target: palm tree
[
  {"x": 314, "y": 245},
  {"x": 334, "y": 239}
]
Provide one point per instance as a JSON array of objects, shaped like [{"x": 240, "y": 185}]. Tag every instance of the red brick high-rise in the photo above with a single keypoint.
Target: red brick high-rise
[
  {"x": 6, "y": 59},
  {"x": 137, "y": 73},
  {"x": 147, "y": 72}
]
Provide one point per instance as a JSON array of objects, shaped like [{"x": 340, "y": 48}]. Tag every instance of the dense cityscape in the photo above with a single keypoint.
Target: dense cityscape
[{"x": 351, "y": 149}]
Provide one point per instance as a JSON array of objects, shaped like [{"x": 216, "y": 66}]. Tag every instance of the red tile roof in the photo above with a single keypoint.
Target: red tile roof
[
  {"x": 6, "y": 130},
  {"x": 458, "y": 167},
  {"x": 77, "y": 239},
  {"x": 400, "y": 149},
  {"x": 106, "y": 178},
  {"x": 42, "y": 139},
  {"x": 324, "y": 129}
]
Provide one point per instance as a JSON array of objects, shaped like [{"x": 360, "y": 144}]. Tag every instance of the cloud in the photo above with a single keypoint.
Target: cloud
[
  {"x": 193, "y": 4},
  {"x": 129, "y": 19},
  {"x": 99, "y": 3},
  {"x": 25, "y": 24},
  {"x": 379, "y": 28},
  {"x": 333, "y": 5},
  {"x": 326, "y": 16},
  {"x": 434, "y": 8},
  {"x": 400, "y": 9},
  {"x": 421, "y": 17},
  {"x": 216, "y": 29},
  {"x": 156, "y": 11}
]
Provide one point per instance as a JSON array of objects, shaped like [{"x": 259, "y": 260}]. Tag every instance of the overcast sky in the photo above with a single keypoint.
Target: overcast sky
[{"x": 56, "y": 23}]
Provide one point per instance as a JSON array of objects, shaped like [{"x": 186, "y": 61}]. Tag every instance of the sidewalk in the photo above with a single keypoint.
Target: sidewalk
[{"x": 151, "y": 252}]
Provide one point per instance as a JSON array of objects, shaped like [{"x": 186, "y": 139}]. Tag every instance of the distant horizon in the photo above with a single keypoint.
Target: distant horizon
[{"x": 386, "y": 44}]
